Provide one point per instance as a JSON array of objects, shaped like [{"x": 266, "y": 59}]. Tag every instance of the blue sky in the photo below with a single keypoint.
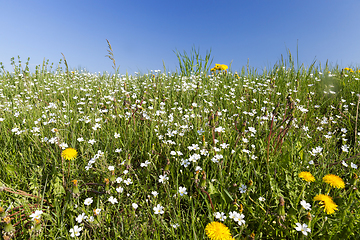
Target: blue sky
[{"x": 143, "y": 34}]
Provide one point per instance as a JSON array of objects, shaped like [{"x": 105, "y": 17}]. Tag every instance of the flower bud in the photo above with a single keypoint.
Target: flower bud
[
  {"x": 241, "y": 208},
  {"x": 203, "y": 180},
  {"x": 112, "y": 177},
  {"x": 37, "y": 224},
  {"x": 167, "y": 167},
  {"x": 8, "y": 226},
  {"x": 75, "y": 188},
  {"x": 128, "y": 161},
  {"x": 2, "y": 212},
  {"x": 308, "y": 217},
  {"x": 281, "y": 208},
  {"x": 107, "y": 188}
]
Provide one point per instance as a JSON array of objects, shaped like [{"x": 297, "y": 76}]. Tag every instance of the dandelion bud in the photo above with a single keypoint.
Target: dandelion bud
[
  {"x": 75, "y": 182},
  {"x": 112, "y": 177},
  {"x": 309, "y": 217},
  {"x": 197, "y": 175},
  {"x": 355, "y": 181},
  {"x": 37, "y": 224},
  {"x": 8, "y": 226},
  {"x": 241, "y": 208},
  {"x": 2, "y": 212},
  {"x": 106, "y": 180},
  {"x": 243, "y": 127},
  {"x": 167, "y": 167},
  {"x": 203, "y": 180},
  {"x": 281, "y": 208},
  {"x": 252, "y": 236},
  {"x": 75, "y": 188},
  {"x": 216, "y": 117},
  {"x": 211, "y": 119},
  {"x": 128, "y": 161}
]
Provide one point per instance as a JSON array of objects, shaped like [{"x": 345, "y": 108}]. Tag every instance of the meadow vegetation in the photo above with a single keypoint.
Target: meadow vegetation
[{"x": 192, "y": 154}]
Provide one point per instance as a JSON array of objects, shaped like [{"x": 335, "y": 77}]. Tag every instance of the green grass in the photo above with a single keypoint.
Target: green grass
[{"x": 275, "y": 125}]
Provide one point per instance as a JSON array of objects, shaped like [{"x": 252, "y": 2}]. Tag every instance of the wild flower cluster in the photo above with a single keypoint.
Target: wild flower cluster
[{"x": 171, "y": 156}]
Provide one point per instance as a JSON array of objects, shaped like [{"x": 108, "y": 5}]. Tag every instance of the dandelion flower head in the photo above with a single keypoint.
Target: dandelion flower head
[
  {"x": 329, "y": 205},
  {"x": 219, "y": 67},
  {"x": 217, "y": 231},
  {"x": 334, "y": 181},
  {"x": 307, "y": 176},
  {"x": 69, "y": 154}
]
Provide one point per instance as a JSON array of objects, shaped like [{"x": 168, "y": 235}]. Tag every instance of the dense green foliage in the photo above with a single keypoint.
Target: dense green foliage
[{"x": 235, "y": 142}]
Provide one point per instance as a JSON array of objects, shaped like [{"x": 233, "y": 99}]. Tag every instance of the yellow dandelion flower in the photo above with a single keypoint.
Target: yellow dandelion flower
[
  {"x": 307, "y": 176},
  {"x": 217, "y": 66},
  {"x": 334, "y": 181},
  {"x": 69, "y": 154},
  {"x": 327, "y": 202},
  {"x": 217, "y": 231},
  {"x": 223, "y": 67},
  {"x": 349, "y": 69}
]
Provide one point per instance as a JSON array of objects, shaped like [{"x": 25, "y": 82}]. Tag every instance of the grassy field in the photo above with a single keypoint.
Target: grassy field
[{"x": 191, "y": 154}]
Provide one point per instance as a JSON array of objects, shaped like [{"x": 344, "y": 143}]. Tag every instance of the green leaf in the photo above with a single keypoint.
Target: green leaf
[
  {"x": 228, "y": 194},
  {"x": 56, "y": 186},
  {"x": 10, "y": 169},
  {"x": 212, "y": 189}
]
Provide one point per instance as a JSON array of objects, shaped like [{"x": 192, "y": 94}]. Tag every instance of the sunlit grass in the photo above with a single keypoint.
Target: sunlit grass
[{"x": 162, "y": 155}]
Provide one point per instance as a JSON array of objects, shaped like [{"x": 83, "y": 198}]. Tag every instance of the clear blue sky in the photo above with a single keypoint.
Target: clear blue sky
[{"x": 143, "y": 34}]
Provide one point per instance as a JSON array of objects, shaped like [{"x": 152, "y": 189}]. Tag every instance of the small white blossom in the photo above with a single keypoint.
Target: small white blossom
[
  {"x": 75, "y": 231},
  {"x": 221, "y": 216},
  {"x": 119, "y": 180},
  {"x": 353, "y": 165},
  {"x": 158, "y": 209},
  {"x": 128, "y": 181},
  {"x": 243, "y": 188},
  {"x": 88, "y": 201},
  {"x": 145, "y": 164},
  {"x": 163, "y": 178},
  {"x": 135, "y": 206},
  {"x": 80, "y": 218},
  {"x": 302, "y": 228},
  {"x": 220, "y": 129},
  {"x": 305, "y": 205},
  {"x": 182, "y": 191},
  {"x": 112, "y": 200},
  {"x": 36, "y": 215}
]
